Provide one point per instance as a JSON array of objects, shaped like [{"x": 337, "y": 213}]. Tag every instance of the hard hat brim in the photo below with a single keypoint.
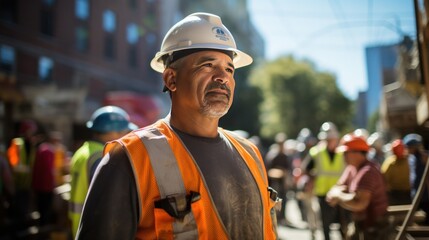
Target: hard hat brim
[{"x": 241, "y": 59}]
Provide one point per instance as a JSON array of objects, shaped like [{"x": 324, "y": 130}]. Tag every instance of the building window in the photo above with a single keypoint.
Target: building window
[
  {"x": 9, "y": 11},
  {"x": 7, "y": 59},
  {"x": 109, "y": 21},
  {"x": 82, "y": 9},
  {"x": 109, "y": 27},
  {"x": 82, "y": 13},
  {"x": 46, "y": 67},
  {"x": 82, "y": 38},
  {"x": 47, "y": 17},
  {"x": 132, "y": 39},
  {"x": 132, "y": 33}
]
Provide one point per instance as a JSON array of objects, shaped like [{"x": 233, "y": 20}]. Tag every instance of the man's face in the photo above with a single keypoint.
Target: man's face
[
  {"x": 353, "y": 158},
  {"x": 332, "y": 143},
  {"x": 205, "y": 83}
]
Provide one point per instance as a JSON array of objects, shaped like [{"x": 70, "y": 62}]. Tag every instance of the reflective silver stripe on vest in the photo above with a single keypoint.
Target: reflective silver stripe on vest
[
  {"x": 168, "y": 178},
  {"x": 164, "y": 164}
]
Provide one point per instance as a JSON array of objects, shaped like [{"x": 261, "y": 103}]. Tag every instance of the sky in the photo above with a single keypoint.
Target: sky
[{"x": 332, "y": 34}]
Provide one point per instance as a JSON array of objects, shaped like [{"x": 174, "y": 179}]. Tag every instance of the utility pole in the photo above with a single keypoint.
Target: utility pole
[{"x": 422, "y": 29}]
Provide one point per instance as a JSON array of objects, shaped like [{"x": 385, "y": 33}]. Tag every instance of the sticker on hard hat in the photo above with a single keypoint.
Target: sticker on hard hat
[{"x": 220, "y": 33}]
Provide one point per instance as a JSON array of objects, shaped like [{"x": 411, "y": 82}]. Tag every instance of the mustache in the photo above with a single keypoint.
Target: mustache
[{"x": 218, "y": 85}]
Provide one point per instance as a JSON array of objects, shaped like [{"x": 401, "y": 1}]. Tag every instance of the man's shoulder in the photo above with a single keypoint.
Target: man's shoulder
[
  {"x": 369, "y": 171},
  {"x": 241, "y": 139},
  {"x": 148, "y": 134},
  {"x": 390, "y": 160},
  {"x": 318, "y": 148},
  {"x": 158, "y": 128}
]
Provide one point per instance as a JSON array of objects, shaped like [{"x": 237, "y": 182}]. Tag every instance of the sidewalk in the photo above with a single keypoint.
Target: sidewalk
[{"x": 297, "y": 229}]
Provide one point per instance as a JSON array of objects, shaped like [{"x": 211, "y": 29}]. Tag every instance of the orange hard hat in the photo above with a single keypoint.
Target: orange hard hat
[
  {"x": 398, "y": 147},
  {"x": 351, "y": 142}
]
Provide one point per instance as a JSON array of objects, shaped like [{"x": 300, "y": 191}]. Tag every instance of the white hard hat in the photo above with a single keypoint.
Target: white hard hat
[
  {"x": 361, "y": 132},
  {"x": 199, "y": 31},
  {"x": 375, "y": 140},
  {"x": 328, "y": 130}
]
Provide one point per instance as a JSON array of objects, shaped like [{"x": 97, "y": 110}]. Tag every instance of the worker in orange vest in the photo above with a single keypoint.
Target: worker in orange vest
[
  {"x": 184, "y": 177},
  {"x": 21, "y": 153}
]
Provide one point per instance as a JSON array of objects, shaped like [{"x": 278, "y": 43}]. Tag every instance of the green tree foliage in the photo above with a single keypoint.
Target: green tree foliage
[{"x": 296, "y": 95}]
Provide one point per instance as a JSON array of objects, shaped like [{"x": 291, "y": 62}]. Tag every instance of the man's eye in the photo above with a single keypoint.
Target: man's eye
[
  {"x": 207, "y": 65},
  {"x": 230, "y": 70}
]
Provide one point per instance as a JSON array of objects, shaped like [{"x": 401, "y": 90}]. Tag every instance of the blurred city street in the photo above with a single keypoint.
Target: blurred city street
[{"x": 296, "y": 228}]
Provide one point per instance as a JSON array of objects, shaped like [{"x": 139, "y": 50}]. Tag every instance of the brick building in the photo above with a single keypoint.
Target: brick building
[{"x": 59, "y": 59}]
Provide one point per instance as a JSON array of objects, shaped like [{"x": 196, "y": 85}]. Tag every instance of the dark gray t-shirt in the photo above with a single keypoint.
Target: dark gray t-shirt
[{"x": 231, "y": 185}]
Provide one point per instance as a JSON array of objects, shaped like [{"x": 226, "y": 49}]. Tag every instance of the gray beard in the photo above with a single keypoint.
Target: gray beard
[{"x": 211, "y": 111}]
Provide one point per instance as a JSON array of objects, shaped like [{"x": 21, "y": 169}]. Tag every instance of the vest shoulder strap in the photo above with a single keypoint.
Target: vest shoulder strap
[{"x": 163, "y": 161}]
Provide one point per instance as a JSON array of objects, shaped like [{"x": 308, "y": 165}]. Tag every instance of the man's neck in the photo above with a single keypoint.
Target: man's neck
[
  {"x": 195, "y": 125},
  {"x": 362, "y": 163}
]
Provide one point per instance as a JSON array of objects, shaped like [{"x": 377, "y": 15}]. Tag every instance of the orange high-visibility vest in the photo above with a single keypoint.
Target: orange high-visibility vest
[
  {"x": 21, "y": 161},
  {"x": 163, "y": 167}
]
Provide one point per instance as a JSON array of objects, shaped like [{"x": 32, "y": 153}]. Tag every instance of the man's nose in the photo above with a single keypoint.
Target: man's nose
[{"x": 221, "y": 76}]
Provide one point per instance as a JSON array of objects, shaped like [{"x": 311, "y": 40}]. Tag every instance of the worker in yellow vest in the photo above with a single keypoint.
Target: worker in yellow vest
[
  {"x": 106, "y": 124},
  {"x": 324, "y": 167},
  {"x": 184, "y": 177}
]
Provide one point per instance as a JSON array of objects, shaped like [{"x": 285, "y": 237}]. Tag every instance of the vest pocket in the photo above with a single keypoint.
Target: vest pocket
[{"x": 181, "y": 224}]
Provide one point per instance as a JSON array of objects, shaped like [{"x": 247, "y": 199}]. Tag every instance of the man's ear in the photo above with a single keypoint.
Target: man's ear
[{"x": 169, "y": 77}]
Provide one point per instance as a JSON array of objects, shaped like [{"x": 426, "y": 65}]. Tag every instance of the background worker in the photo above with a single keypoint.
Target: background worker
[
  {"x": 417, "y": 160},
  {"x": 184, "y": 177},
  {"x": 21, "y": 153},
  {"x": 106, "y": 124},
  {"x": 43, "y": 178},
  {"x": 306, "y": 141},
  {"x": 324, "y": 167},
  {"x": 7, "y": 190},
  {"x": 61, "y": 160},
  {"x": 376, "y": 153},
  {"x": 279, "y": 171},
  {"x": 361, "y": 190},
  {"x": 396, "y": 173}
]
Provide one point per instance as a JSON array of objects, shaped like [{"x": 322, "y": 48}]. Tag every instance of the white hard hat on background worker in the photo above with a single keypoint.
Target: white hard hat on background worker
[{"x": 328, "y": 130}]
